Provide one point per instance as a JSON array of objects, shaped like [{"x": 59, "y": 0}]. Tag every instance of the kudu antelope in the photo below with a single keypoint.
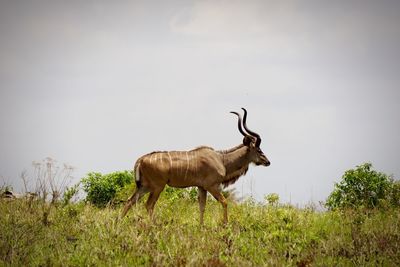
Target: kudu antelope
[{"x": 203, "y": 167}]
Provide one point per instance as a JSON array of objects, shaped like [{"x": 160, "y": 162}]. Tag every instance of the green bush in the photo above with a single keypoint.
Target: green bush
[
  {"x": 363, "y": 187},
  {"x": 101, "y": 189}
]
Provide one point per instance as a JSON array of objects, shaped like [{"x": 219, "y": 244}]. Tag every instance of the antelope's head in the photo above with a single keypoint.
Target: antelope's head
[{"x": 252, "y": 141}]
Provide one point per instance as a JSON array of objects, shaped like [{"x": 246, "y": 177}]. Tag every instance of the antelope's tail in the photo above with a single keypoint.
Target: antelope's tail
[{"x": 138, "y": 180}]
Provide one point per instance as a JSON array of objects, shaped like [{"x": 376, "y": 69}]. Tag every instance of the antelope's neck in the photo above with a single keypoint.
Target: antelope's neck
[{"x": 235, "y": 159}]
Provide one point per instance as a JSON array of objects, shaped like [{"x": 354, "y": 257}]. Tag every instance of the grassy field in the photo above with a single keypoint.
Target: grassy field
[{"x": 35, "y": 234}]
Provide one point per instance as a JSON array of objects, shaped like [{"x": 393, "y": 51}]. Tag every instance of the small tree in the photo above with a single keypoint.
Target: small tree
[
  {"x": 69, "y": 193},
  {"x": 272, "y": 199},
  {"x": 361, "y": 186}
]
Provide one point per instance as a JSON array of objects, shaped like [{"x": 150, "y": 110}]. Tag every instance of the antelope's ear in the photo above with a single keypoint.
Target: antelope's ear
[{"x": 247, "y": 140}]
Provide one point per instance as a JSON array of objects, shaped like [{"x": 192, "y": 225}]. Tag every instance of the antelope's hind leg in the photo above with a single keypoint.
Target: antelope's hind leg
[
  {"x": 139, "y": 193},
  {"x": 151, "y": 201}
]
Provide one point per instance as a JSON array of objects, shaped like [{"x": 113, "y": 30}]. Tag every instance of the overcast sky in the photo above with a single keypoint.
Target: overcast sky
[{"x": 96, "y": 84}]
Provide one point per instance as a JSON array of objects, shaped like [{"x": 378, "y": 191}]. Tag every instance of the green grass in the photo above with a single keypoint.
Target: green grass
[{"x": 35, "y": 234}]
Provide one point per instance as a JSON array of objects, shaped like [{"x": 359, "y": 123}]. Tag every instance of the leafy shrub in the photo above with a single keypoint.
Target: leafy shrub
[
  {"x": 101, "y": 189},
  {"x": 363, "y": 187}
]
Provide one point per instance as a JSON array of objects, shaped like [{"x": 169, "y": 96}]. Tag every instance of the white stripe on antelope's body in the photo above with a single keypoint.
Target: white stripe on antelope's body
[{"x": 203, "y": 167}]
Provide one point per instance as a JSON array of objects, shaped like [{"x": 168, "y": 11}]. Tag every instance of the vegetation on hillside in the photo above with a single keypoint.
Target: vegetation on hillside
[
  {"x": 257, "y": 235},
  {"x": 37, "y": 232}
]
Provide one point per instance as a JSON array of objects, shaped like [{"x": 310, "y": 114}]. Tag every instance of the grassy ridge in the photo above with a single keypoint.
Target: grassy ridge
[{"x": 78, "y": 234}]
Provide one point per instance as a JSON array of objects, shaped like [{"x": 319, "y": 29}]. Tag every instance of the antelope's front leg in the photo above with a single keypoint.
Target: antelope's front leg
[
  {"x": 216, "y": 193},
  {"x": 202, "y": 197}
]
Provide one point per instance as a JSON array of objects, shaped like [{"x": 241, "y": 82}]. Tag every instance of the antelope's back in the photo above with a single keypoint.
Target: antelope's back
[{"x": 180, "y": 168}]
